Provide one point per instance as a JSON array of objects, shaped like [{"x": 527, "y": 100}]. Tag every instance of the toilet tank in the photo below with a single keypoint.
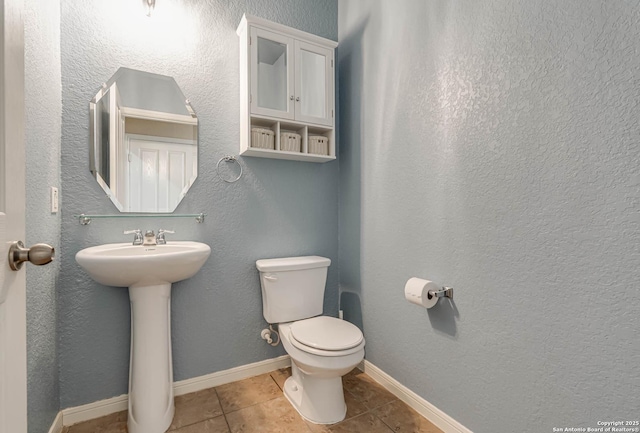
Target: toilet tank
[{"x": 292, "y": 287}]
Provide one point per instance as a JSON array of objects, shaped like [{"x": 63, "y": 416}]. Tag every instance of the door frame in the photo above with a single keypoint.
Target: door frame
[{"x": 13, "y": 328}]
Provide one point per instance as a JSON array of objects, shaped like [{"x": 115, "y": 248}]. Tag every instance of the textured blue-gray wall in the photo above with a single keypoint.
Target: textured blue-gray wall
[
  {"x": 494, "y": 146},
  {"x": 278, "y": 208},
  {"x": 43, "y": 109}
]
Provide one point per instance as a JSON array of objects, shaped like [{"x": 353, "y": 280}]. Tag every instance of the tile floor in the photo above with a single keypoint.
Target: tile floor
[{"x": 257, "y": 405}]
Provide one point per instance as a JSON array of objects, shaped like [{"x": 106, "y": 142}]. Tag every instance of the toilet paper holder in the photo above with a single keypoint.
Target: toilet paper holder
[{"x": 445, "y": 292}]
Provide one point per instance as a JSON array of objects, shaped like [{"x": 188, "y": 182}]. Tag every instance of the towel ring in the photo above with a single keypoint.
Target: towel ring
[{"x": 229, "y": 158}]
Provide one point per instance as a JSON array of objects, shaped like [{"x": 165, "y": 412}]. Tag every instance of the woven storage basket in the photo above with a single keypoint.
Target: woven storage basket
[
  {"x": 290, "y": 141},
  {"x": 318, "y": 145},
  {"x": 262, "y": 138}
]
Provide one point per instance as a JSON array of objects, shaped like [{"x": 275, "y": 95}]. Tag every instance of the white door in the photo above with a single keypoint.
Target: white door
[
  {"x": 161, "y": 171},
  {"x": 13, "y": 336},
  {"x": 314, "y": 84}
]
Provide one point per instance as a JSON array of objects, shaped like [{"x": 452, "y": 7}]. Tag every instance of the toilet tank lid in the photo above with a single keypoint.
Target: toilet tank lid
[{"x": 292, "y": 263}]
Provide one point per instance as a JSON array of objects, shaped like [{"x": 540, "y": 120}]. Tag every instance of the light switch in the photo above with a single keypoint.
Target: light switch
[{"x": 54, "y": 199}]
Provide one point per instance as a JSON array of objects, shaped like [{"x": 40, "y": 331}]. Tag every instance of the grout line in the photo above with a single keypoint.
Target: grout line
[
  {"x": 275, "y": 381},
  {"x": 251, "y": 405},
  {"x": 391, "y": 402},
  {"x": 370, "y": 412},
  {"x": 223, "y": 414},
  {"x": 194, "y": 423}
]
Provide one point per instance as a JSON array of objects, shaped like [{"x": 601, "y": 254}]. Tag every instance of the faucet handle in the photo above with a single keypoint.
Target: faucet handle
[
  {"x": 161, "y": 240},
  {"x": 137, "y": 238}
]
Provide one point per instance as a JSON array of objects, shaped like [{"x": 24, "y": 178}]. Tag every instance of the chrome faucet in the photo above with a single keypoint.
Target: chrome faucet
[
  {"x": 137, "y": 236},
  {"x": 160, "y": 239},
  {"x": 149, "y": 238}
]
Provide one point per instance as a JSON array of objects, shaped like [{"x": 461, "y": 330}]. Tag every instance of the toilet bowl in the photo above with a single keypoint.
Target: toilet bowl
[
  {"x": 315, "y": 386},
  {"x": 322, "y": 349}
]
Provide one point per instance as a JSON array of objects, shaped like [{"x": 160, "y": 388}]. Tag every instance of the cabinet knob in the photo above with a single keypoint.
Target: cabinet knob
[
  {"x": 298, "y": 99},
  {"x": 291, "y": 97}
]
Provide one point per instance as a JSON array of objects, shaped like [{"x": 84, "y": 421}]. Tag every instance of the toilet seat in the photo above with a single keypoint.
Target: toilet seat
[{"x": 326, "y": 336}]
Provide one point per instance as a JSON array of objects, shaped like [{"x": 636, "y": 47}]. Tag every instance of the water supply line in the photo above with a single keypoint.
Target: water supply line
[{"x": 266, "y": 335}]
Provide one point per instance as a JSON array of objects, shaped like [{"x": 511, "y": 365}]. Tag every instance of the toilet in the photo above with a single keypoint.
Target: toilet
[{"x": 322, "y": 349}]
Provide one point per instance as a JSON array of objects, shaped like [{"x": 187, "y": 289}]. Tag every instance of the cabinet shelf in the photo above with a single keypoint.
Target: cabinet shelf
[
  {"x": 291, "y": 156},
  {"x": 300, "y": 128},
  {"x": 258, "y": 120}
]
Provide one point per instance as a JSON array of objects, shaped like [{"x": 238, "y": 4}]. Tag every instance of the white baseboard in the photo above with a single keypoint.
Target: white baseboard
[
  {"x": 56, "y": 426},
  {"x": 86, "y": 412},
  {"x": 231, "y": 375},
  {"x": 74, "y": 415},
  {"x": 100, "y": 408},
  {"x": 443, "y": 421}
]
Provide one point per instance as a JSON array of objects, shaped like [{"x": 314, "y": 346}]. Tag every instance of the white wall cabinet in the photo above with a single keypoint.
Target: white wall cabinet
[{"x": 286, "y": 85}]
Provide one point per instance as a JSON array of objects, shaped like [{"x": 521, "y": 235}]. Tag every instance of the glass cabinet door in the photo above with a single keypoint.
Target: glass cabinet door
[
  {"x": 314, "y": 78},
  {"x": 272, "y": 83}
]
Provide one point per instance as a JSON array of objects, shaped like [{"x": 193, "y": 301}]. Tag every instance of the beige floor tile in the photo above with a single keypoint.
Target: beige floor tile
[
  {"x": 213, "y": 425},
  {"x": 365, "y": 423},
  {"x": 366, "y": 390},
  {"x": 354, "y": 408},
  {"x": 114, "y": 423},
  {"x": 273, "y": 416},
  {"x": 281, "y": 375},
  {"x": 403, "y": 419},
  {"x": 319, "y": 428},
  {"x": 196, "y": 407},
  {"x": 247, "y": 392}
]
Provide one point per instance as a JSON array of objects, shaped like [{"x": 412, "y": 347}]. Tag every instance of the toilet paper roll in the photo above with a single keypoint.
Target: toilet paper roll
[{"x": 417, "y": 292}]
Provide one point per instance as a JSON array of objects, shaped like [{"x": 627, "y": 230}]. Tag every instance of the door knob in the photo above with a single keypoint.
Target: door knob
[{"x": 39, "y": 254}]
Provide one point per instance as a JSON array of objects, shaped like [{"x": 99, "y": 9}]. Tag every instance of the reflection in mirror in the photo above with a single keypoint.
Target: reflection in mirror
[
  {"x": 272, "y": 75},
  {"x": 144, "y": 141}
]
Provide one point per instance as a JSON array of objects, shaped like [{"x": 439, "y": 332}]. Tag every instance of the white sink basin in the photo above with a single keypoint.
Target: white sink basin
[
  {"x": 148, "y": 271},
  {"x": 126, "y": 265}
]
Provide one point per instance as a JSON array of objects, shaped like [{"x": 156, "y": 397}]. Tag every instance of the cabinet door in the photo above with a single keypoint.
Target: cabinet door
[
  {"x": 272, "y": 83},
  {"x": 314, "y": 84}
]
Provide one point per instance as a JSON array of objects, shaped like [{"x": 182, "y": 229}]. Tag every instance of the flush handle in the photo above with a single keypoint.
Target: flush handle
[
  {"x": 271, "y": 278},
  {"x": 39, "y": 254}
]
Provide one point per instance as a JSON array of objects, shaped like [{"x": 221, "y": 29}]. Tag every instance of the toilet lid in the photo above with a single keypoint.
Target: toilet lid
[{"x": 326, "y": 333}]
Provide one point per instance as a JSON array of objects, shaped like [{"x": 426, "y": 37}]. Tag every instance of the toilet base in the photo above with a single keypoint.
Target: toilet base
[{"x": 319, "y": 400}]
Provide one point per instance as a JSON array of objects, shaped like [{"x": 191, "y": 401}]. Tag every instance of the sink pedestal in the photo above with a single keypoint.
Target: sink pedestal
[
  {"x": 151, "y": 406},
  {"x": 148, "y": 271}
]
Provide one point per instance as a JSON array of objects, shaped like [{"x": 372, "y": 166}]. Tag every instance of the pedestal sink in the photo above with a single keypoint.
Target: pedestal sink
[{"x": 148, "y": 272}]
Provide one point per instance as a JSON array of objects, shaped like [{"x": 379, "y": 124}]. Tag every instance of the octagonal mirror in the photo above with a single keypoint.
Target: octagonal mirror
[{"x": 143, "y": 141}]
